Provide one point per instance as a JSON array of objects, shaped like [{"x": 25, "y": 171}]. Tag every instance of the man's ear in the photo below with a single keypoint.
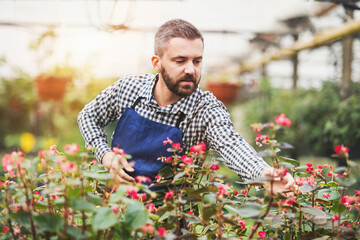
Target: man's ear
[{"x": 155, "y": 60}]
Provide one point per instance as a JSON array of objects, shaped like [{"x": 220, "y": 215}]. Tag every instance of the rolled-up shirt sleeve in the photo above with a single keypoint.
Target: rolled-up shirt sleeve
[
  {"x": 97, "y": 114},
  {"x": 239, "y": 155}
]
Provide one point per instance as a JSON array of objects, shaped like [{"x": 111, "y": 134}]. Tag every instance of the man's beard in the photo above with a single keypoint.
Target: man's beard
[{"x": 174, "y": 86}]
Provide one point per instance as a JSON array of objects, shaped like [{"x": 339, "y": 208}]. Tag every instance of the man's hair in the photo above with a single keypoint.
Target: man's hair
[{"x": 172, "y": 29}]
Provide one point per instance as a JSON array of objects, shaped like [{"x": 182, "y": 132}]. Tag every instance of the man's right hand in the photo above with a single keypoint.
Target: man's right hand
[{"x": 116, "y": 165}]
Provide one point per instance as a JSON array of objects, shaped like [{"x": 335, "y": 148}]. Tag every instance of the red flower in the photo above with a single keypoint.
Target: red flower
[
  {"x": 341, "y": 150},
  {"x": 214, "y": 167},
  {"x": 282, "y": 120},
  {"x": 161, "y": 232},
  {"x": 330, "y": 174},
  {"x": 335, "y": 218},
  {"x": 310, "y": 168},
  {"x": 236, "y": 193},
  {"x": 148, "y": 228},
  {"x": 169, "y": 194},
  {"x": 200, "y": 148},
  {"x": 190, "y": 212},
  {"x": 326, "y": 195},
  {"x": 132, "y": 192},
  {"x": 262, "y": 234},
  {"x": 186, "y": 159},
  {"x": 244, "y": 192},
  {"x": 357, "y": 192},
  {"x": 176, "y": 145},
  {"x": 5, "y": 229}
]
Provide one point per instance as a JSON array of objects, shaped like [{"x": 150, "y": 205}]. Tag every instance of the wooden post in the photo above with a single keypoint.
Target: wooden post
[
  {"x": 295, "y": 63},
  {"x": 347, "y": 59}
]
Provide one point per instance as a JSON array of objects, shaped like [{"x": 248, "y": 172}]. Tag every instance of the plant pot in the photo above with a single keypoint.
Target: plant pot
[
  {"x": 51, "y": 87},
  {"x": 226, "y": 92}
]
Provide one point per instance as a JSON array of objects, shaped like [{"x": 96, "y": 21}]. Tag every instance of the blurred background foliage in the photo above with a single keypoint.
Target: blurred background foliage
[
  {"x": 320, "y": 118},
  {"x": 51, "y": 122}
]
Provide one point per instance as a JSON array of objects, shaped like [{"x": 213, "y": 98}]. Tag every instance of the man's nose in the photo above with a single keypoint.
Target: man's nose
[{"x": 190, "y": 68}]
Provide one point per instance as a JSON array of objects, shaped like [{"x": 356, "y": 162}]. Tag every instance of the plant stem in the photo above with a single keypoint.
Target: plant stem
[
  {"x": 338, "y": 234},
  {"x": 28, "y": 203}
]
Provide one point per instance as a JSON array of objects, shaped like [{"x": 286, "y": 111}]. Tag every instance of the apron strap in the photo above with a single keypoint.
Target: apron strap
[
  {"x": 181, "y": 118},
  {"x": 135, "y": 103}
]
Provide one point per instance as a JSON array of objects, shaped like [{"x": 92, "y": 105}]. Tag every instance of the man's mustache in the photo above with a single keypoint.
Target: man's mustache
[{"x": 189, "y": 78}]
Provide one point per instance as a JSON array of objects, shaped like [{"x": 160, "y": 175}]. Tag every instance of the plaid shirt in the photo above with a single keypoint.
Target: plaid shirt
[{"x": 206, "y": 119}]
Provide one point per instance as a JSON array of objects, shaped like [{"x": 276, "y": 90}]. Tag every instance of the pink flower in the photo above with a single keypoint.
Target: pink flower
[
  {"x": 335, "y": 218},
  {"x": 169, "y": 159},
  {"x": 357, "y": 192},
  {"x": 282, "y": 120},
  {"x": 187, "y": 160},
  {"x": 341, "y": 150},
  {"x": 169, "y": 194},
  {"x": 68, "y": 167},
  {"x": 115, "y": 209},
  {"x": 200, "y": 148},
  {"x": 244, "y": 192},
  {"x": 190, "y": 212},
  {"x": 310, "y": 168},
  {"x": 151, "y": 208},
  {"x": 118, "y": 151},
  {"x": 262, "y": 234},
  {"x": 72, "y": 148},
  {"x": 214, "y": 167},
  {"x": 281, "y": 172},
  {"x": 142, "y": 179},
  {"x": 222, "y": 190},
  {"x": 310, "y": 180},
  {"x": 242, "y": 223},
  {"x": 148, "y": 228},
  {"x": 236, "y": 193},
  {"x": 167, "y": 141},
  {"x": 330, "y": 174},
  {"x": 93, "y": 162},
  {"x": 161, "y": 232},
  {"x": 158, "y": 178}
]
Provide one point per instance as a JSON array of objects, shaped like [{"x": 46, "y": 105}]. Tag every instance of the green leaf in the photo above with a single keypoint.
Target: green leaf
[
  {"x": 178, "y": 176},
  {"x": 333, "y": 194},
  {"x": 22, "y": 218},
  {"x": 135, "y": 215},
  {"x": 82, "y": 205},
  {"x": 346, "y": 182},
  {"x": 284, "y": 145},
  {"x": 97, "y": 175},
  {"x": 94, "y": 198},
  {"x": 315, "y": 215},
  {"x": 308, "y": 187},
  {"x": 166, "y": 172},
  {"x": 249, "y": 210},
  {"x": 49, "y": 222},
  {"x": 103, "y": 219},
  {"x": 208, "y": 211},
  {"x": 289, "y": 160}
]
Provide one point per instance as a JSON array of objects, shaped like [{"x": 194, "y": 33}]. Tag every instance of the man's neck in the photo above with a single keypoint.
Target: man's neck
[{"x": 163, "y": 95}]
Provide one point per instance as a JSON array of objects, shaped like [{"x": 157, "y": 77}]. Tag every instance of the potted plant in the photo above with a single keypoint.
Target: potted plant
[
  {"x": 52, "y": 85},
  {"x": 224, "y": 87}
]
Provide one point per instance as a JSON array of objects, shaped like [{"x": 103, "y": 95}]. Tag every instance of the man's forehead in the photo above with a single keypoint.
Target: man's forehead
[{"x": 182, "y": 47}]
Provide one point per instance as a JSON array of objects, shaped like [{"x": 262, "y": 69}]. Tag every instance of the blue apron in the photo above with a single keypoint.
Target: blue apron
[{"x": 143, "y": 139}]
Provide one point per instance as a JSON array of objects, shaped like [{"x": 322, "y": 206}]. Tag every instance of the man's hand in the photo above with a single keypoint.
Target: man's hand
[
  {"x": 278, "y": 182},
  {"x": 116, "y": 165}
]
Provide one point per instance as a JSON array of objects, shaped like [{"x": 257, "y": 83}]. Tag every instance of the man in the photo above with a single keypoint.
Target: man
[{"x": 169, "y": 105}]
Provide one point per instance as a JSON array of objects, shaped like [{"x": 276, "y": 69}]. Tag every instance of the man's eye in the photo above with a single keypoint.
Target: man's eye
[{"x": 179, "y": 61}]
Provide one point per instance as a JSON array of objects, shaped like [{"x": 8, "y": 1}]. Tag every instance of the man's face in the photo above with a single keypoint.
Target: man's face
[{"x": 181, "y": 65}]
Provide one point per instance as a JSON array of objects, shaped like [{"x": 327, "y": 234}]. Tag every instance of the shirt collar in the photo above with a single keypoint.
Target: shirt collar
[{"x": 184, "y": 105}]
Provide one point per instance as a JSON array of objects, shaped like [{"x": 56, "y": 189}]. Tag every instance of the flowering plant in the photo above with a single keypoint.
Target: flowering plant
[{"x": 72, "y": 196}]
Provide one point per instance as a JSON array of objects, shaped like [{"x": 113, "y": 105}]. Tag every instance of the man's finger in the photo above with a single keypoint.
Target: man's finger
[
  {"x": 122, "y": 174},
  {"x": 126, "y": 165},
  {"x": 118, "y": 179}
]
